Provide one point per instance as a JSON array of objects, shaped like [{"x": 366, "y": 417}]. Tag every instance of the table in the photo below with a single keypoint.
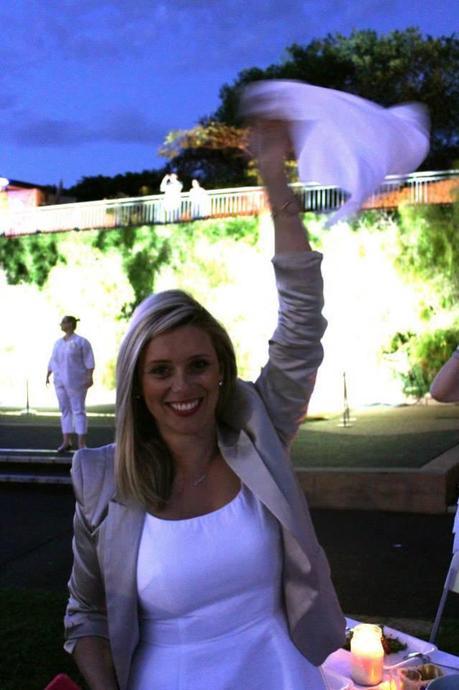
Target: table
[{"x": 337, "y": 666}]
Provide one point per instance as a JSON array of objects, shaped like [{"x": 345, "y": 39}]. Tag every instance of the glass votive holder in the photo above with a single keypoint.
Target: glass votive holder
[{"x": 367, "y": 654}]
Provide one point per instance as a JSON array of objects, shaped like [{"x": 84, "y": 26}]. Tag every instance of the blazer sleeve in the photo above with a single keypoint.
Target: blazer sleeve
[
  {"x": 295, "y": 352},
  {"x": 86, "y": 611}
]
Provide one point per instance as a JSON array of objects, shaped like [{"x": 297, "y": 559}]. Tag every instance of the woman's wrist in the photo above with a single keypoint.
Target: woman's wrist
[{"x": 290, "y": 207}]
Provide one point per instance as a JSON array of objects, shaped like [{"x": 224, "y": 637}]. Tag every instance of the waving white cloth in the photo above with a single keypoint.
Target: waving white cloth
[{"x": 341, "y": 139}]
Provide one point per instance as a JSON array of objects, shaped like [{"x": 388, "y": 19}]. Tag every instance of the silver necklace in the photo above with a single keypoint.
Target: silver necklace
[
  {"x": 199, "y": 480},
  {"x": 202, "y": 477}
]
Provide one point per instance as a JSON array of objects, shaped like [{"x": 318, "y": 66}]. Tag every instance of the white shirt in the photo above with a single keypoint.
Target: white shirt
[{"x": 71, "y": 360}]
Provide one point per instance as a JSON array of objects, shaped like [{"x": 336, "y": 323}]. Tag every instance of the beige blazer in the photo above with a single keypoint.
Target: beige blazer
[{"x": 259, "y": 425}]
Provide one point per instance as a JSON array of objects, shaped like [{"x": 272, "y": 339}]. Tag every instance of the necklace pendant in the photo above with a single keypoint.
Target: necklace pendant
[{"x": 199, "y": 480}]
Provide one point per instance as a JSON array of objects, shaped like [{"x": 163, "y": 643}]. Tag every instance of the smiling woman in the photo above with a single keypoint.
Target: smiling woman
[
  {"x": 169, "y": 399},
  {"x": 179, "y": 376},
  {"x": 196, "y": 564}
]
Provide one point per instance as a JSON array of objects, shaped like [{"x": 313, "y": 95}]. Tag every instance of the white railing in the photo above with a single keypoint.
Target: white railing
[{"x": 149, "y": 210}]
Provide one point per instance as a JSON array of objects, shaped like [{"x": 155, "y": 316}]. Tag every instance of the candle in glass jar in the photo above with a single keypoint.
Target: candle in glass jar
[{"x": 367, "y": 654}]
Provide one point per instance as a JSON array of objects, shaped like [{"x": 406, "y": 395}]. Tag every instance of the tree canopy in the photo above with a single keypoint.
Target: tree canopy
[
  {"x": 392, "y": 68},
  {"x": 397, "y": 67},
  {"x": 214, "y": 152},
  {"x": 95, "y": 187}
]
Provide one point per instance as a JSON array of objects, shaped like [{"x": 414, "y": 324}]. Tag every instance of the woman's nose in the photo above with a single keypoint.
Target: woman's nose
[{"x": 179, "y": 381}]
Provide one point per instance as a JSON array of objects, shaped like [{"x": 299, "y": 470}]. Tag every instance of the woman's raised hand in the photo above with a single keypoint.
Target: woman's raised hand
[{"x": 269, "y": 144}]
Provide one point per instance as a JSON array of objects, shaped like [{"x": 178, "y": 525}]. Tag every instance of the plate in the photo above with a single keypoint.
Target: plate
[{"x": 413, "y": 644}]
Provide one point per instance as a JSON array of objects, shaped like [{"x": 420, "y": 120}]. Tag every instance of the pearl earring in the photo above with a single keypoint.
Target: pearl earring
[{"x": 220, "y": 383}]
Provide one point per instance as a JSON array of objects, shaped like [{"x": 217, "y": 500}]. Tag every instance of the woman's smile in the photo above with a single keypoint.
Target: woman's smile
[
  {"x": 179, "y": 376},
  {"x": 185, "y": 409}
]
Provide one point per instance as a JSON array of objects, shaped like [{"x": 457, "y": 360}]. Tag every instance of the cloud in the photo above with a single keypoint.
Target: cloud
[{"x": 123, "y": 127}]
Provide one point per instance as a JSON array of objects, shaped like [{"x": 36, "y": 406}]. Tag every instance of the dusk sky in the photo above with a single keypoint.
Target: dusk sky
[{"x": 92, "y": 87}]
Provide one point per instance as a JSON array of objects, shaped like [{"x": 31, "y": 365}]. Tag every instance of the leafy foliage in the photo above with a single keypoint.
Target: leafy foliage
[
  {"x": 208, "y": 135},
  {"x": 426, "y": 354},
  {"x": 29, "y": 259},
  {"x": 429, "y": 248},
  {"x": 213, "y": 152},
  {"x": 147, "y": 249},
  {"x": 143, "y": 251},
  {"x": 393, "y": 68},
  {"x": 129, "y": 184}
]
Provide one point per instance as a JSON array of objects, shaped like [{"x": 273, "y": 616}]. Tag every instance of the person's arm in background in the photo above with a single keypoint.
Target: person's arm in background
[
  {"x": 51, "y": 364},
  {"x": 88, "y": 358},
  {"x": 445, "y": 386}
]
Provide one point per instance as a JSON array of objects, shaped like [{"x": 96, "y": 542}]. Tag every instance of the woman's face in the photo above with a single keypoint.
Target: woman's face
[
  {"x": 179, "y": 375},
  {"x": 67, "y": 326}
]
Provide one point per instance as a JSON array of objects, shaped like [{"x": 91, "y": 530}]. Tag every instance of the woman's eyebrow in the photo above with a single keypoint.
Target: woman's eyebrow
[{"x": 164, "y": 360}]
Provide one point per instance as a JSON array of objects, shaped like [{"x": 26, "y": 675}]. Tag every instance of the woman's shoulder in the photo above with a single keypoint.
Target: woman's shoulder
[
  {"x": 93, "y": 478},
  {"x": 77, "y": 338}
]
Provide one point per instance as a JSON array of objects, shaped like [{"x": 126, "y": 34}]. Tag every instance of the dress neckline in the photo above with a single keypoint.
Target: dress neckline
[{"x": 225, "y": 506}]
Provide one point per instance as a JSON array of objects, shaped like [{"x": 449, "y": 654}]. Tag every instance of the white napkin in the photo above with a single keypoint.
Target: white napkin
[{"x": 341, "y": 139}]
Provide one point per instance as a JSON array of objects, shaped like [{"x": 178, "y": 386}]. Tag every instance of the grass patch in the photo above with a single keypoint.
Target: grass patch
[{"x": 408, "y": 437}]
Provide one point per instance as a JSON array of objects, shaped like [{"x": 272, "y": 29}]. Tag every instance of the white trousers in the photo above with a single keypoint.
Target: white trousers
[{"x": 73, "y": 412}]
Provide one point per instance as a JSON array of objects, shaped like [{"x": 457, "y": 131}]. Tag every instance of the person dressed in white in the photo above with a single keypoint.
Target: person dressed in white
[
  {"x": 72, "y": 366},
  {"x": 199, "y": 200},
  {"x": 172, "y": 190},
  {"x": 219, "y": 583}
]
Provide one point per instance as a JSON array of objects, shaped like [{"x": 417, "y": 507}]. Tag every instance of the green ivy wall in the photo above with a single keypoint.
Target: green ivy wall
[{"x": 392, "y": 284}]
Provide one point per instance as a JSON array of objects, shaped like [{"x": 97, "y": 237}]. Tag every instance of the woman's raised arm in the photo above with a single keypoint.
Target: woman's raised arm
[
  {"x": 270, "y": 145},
  {"x": 295, "y": 351}
]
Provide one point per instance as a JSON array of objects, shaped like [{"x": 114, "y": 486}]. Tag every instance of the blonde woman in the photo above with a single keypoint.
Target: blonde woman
[{"x": 196, "y": 565}]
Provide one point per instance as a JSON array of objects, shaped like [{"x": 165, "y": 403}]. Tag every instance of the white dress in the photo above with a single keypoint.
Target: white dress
[{"x": 210, "y": 606}]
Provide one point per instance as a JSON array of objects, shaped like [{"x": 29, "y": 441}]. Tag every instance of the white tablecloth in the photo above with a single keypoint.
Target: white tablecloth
[{"x": 338, "y": 667}]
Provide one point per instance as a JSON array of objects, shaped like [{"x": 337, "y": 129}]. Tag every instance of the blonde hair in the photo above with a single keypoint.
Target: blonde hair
[{"x": 143, "y": 465}]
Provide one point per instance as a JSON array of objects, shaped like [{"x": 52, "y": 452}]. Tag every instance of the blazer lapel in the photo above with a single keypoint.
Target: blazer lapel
[
  {"x": 124, "y": 529},
  {"x": 245, "y": 461}
]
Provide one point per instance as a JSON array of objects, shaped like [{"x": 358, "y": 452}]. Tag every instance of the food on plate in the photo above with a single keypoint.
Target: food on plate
[
  {"x": 418, "y": 677},
  {"x": 390, "y": 643}
]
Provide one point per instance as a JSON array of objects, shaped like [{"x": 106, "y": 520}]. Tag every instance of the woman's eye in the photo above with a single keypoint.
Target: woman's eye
[
  {"x": 159, "y": 371},
  {"x": 199, "y": 365}
]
